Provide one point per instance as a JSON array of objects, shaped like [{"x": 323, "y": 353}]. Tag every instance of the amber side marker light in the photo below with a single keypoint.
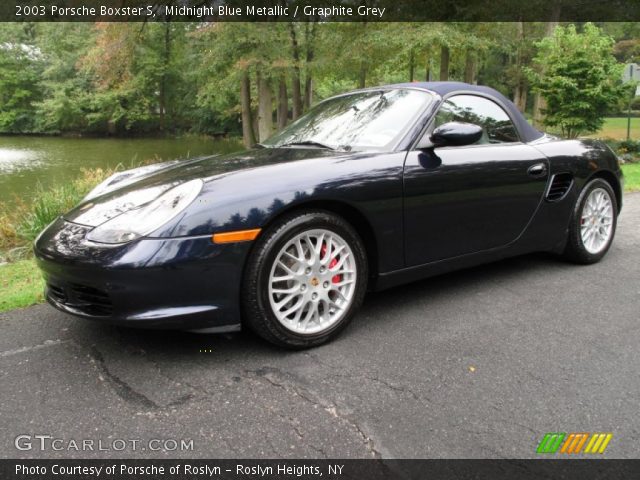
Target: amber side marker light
[{"x": 237, "y": 236}]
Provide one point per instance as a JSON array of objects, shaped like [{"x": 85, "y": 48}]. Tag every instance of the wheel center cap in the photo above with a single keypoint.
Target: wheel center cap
[{"x": 315, "y": 282}]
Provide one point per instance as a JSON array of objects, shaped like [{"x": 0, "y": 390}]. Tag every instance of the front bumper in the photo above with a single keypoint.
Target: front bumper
[{"x": 186, "y": 283}]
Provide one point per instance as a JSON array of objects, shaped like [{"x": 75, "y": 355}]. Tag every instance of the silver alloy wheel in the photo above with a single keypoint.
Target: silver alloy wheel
[
  {"x": 596, "y": 221},
  {"x": 312, "y": 281}
]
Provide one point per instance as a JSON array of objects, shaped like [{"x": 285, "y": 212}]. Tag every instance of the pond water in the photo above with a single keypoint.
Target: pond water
[{"x": 26, "y": 161}]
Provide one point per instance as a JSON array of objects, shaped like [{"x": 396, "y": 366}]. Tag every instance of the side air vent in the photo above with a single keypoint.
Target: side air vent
[{"x": 559, "y": 186}]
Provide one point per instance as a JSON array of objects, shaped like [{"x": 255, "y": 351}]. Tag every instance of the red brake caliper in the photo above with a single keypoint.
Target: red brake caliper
[{"x": 332, "y": 263}]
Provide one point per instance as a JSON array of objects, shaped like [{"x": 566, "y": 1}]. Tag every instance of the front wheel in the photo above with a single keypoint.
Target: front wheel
[
  {"x": 305, "y": 279},
  {"x": 593, "y": 223}
]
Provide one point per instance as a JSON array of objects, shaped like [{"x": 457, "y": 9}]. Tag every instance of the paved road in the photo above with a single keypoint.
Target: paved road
[{"x": 479, "y": 363}]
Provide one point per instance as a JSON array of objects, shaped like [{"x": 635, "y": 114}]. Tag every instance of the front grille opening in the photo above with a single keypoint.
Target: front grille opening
[
  {"x": 91, "y": 300},
  {"x": 88, "y": 300},
  {"x": 57, "y": 293},
  {"x": 560, "y": 185}
]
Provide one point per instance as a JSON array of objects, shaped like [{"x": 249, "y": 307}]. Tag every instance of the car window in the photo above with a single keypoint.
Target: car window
[
  {"x": 496, "y": 125},
  {"x": 365, "y": 120}
]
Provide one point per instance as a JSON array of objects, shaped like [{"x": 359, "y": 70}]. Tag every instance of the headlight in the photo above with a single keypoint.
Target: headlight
[{"x": 143, "y": 220}]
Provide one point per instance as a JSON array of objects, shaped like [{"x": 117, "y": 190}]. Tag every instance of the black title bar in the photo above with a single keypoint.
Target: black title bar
[{"x": 320, "y": 469}]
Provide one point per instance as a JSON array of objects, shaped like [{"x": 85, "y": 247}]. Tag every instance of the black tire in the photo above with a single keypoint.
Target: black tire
[
  {"x": 575, "y": 250},
  {"x": 257, "y": 311}
]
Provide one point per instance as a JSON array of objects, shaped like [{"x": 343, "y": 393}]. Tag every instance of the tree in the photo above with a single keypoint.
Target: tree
[
  {"x": 581, "y": 79},
  {"x": 67, "y": 92},
  {"x": 140, "y": 76},
  {"x": 227, "y": 78},
  {"x": 20, "y": 67}
]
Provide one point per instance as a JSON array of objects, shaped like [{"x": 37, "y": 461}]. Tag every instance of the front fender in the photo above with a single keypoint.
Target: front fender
[{"x": 252, "y": 198}]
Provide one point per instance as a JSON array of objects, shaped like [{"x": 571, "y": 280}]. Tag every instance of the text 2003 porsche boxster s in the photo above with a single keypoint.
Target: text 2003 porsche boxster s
[{"x": 368, "y": 190}]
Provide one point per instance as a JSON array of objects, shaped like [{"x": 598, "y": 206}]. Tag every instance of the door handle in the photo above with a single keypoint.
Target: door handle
[{"x": 537, "y": 170}]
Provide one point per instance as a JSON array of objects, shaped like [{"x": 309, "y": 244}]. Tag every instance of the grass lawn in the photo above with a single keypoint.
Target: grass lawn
[
  {"x": 20, "y": 285},
  {"x": 631, "y": 177},
  {"x": 616, "y": 128}
]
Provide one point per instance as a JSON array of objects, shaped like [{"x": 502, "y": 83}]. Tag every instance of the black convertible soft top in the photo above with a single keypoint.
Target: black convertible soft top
[{"x": 527, "y": 132}]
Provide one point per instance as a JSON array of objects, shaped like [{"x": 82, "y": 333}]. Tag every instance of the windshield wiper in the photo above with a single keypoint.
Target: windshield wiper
[{"x": 310, "y": 143}]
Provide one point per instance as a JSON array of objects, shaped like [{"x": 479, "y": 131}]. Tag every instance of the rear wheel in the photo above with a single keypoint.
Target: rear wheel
[
  {"x": 305, "y": 279},
  {"x": 593, "y": 223}
]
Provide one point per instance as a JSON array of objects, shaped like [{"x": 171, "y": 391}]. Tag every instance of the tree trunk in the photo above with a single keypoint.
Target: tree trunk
[
  {"x": 539, "y": 103},
  {"x": 427, "y": 70},
  {"x": 265, "y": 108},
  {"x": 444, "y": 63},
  {"x": 296, "y": 90},
  {"x": 296, "y": 94},
  {"x": 470, "y": 67},
  {"x": 248, "y": 137},
  {"x": 166, "y": 57},
  {"x": 520, "y": 86},
  {"x": 283, "y": 104},
  {"x": 412, "y": 66},
  {"x": 308, "y": 92},
  {"x": 362, "y": 78},
  {"x": 310, "y": 35},
  {"x": 522, "y": 102}
]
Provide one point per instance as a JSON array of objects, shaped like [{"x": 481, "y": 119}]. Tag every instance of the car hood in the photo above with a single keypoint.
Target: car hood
[{"x": 96, "y": 211}]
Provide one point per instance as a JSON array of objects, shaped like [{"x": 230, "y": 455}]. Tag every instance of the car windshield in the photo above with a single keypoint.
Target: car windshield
[{"x": 368, "y": 120}]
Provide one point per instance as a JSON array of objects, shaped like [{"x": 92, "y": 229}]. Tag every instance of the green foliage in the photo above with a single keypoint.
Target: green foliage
[
  {"x": 627, "y": 150},
  {"x": 46, "y": 207},
  {"x": 20, "y": 65},
  {"x": 132, "y": 78},
  {"x": 65, "y": 90},
  {"x": 48, "y": 204},
  {"x": 579, "y": 78},
  {"x": 631, "y": 146},
  {"x": 109, "y": 78},
  {"x": 21, "y": 223}
]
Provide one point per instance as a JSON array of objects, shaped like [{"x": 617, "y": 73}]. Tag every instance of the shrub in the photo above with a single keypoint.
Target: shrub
[
  {"x": 627, "y": 150},
  {"x": 579, "y": 78},
  {"x": 629, "y": 146},
  {"x": 22, "y": 223},
  {"x": 48, "y": 204}
]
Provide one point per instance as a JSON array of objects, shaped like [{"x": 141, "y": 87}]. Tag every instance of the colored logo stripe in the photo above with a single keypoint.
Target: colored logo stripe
[
  {"x": 550, "y": 442},
  {"x": 573, "y": 442},
  {"x": 598, "y": 443}
]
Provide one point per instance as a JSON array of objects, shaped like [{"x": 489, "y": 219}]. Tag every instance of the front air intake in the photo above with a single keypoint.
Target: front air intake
[{"x": 559, "y": 186}]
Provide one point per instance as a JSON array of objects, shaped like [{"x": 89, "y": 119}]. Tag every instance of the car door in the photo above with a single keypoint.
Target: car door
[{"x": 465, "y": 199}]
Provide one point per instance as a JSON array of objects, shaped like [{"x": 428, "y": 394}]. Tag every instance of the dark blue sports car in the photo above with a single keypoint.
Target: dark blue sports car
[{"x": 368, "y": 190}]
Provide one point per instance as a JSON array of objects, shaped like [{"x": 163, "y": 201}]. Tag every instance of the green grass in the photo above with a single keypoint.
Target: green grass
[
  {"x": 616, "y": 128},
  {"x": 21, "y": 285},
  {"x": 631, "y": 177}
]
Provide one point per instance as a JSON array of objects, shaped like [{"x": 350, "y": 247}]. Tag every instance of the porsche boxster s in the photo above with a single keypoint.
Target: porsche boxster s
[{"x": 368, "y": 190}]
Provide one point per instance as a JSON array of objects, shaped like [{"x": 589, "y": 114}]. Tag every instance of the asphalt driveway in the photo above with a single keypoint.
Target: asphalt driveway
[{"x": 480, "y": 363}]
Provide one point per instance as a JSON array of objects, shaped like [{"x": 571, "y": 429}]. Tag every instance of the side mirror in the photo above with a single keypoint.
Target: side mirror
[{"x": 455, "y": 134}]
